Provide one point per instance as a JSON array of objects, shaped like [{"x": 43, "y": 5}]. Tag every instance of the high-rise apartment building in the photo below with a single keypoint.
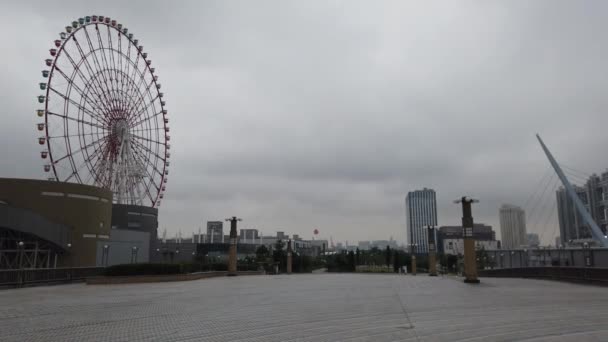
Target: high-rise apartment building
[
  {"x": 594, "y": 196},
  {"x": 420, "y": 212},
  {"x": 513, "y": 227},
  {"x": 533, "y": 240},
  {"x": 215, "y": 231}
]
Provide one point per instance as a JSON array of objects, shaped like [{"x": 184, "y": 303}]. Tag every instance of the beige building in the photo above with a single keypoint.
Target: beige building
[{"x": 513, "y": 227}]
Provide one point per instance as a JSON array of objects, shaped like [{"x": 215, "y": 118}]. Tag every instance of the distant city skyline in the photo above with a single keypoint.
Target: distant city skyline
[{"x": 305, "y": 115}]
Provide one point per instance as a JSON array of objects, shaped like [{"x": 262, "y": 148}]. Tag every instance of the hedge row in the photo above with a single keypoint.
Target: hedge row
[
  {"x": 142, "y": 269},
  {"x": 157, "y": 269}
]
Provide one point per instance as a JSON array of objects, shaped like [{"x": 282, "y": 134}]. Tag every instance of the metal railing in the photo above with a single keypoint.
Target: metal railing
[
  {"x": 27, "y": 277},
  {"x": 578, "y": 274}
]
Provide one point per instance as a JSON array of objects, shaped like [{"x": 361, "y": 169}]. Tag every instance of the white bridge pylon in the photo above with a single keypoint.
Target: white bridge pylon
[{"x": 580, "y": 207}]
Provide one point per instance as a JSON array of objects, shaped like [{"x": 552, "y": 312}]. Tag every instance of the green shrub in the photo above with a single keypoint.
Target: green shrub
[
  {"x": 247, "y": 267},
  {"x": 142, "y": 269}
]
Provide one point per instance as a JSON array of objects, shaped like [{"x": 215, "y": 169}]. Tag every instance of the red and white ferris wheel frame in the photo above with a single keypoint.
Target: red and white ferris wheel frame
[{"x": 115, "y": 111}]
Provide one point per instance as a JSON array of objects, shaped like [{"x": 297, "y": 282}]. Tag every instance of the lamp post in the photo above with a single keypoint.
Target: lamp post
[
  {"x": 470, "y": 265},
  {"x": 432, "y": 251},
  {"x": 134, "y": 254},
  {"x": 587, "y": 254},
  {"x": 232, "y": 249},
  {"x": 511, "y": 259},
  {"x": 104, "y": 259},
  {"x": 71, "y": 257},
  {"x": 413, "y": 251},
  {"x": 21, "y": 247}
]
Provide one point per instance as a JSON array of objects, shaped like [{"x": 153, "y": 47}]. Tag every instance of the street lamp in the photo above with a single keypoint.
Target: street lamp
[
  {"x": 106, "y": 250},
  {"x": 21, "y": 244},
  {"x": 501, "y": 261},
  {"x": 134, "y": 254}
]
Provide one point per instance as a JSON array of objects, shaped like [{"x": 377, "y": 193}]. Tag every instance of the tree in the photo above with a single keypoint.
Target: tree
[
  {"x": 351, "y": 261},
  {"x": 279, "y": 255},
  {"x": 388, "y": 256},
  {"x": 262, "y": 254}
]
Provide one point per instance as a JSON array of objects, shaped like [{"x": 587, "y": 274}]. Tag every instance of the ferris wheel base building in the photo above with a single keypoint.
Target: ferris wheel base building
[{"x": 46, "y": 224}]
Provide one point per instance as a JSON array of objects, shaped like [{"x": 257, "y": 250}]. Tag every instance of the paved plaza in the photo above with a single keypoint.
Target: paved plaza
[{"x": 312, "y": 307}]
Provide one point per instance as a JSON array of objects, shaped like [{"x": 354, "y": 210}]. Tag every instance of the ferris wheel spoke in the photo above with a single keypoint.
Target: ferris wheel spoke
[
  {"x": 66, "y": 98},
  {"x": 80, "y": 150},
  {"x": 93, "y": 70},
  {"x": 141, "y": 80},
  {"x": 97, "y": 64},
  {"x": 151, "y": 182},
  {"x": 142, "y": 98},
  {"x": 148, "y": 140},
  {"x": 100, "y": 152},
  {"x": 96, "y": 84},
  {"x": 152, "y": 116},
  {"x": 75, "y": 120},
  {"x": 138, "y": 152},
  {"x": 74, "y": 135},
  {"x": 150, "y": 151},
  {"x": 80, "y": 91},
  {"x": 83, "y": 77},
  {"x": 106, "y": 63},
  {"x": 112, "y": 57}
]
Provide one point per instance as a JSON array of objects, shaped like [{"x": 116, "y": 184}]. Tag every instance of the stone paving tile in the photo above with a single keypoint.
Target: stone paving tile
[{"x": 315, "y": 307}]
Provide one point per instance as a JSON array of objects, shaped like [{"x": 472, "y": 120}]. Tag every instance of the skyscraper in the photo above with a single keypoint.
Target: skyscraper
[
  {"x": 513, "y": 227},
  {"x": 420, "y": 212},
  {"x": 594, "y": 196}
]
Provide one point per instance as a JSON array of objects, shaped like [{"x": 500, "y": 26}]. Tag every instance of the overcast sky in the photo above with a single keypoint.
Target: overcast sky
[{"x": 297, "y": 115}]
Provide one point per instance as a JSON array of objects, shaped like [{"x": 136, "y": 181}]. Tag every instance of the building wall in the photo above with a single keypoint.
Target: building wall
[
  {"x": 215, "y": 231},
  {"x": 571, "y": 225},
  {"x": 248, "y": 236},
  {"x": 512, "y": 227},
  {"x": 86, "y": 210},
  {"x": 456, "y": 246},
  {"x": 118, "y": 249},
  {"x": 421, "y": 211},
  {"x": 137, "y": 218},
  {"x": 481, "y": 232}
]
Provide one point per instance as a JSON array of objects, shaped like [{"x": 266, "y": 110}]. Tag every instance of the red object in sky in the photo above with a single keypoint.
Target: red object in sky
[{"x": 316, "y": 231}]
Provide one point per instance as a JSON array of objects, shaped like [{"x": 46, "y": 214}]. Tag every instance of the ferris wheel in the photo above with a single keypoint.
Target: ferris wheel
[{"x": 103, "y": 120}]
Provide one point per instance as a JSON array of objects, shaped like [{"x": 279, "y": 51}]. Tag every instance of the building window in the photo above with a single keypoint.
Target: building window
[
  {"x": 87, "y": 197},
  {"x": 50, "y": 193},
  {"x": 450, "y": 245},
  {"x": 134, "y": 225}
]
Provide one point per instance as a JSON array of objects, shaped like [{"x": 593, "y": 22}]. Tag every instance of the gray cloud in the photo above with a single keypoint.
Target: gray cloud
[{"x": 297, "y": 115}]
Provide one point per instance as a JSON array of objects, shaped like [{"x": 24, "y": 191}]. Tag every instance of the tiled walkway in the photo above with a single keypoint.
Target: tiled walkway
[{"x": 313, "y": 307}]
